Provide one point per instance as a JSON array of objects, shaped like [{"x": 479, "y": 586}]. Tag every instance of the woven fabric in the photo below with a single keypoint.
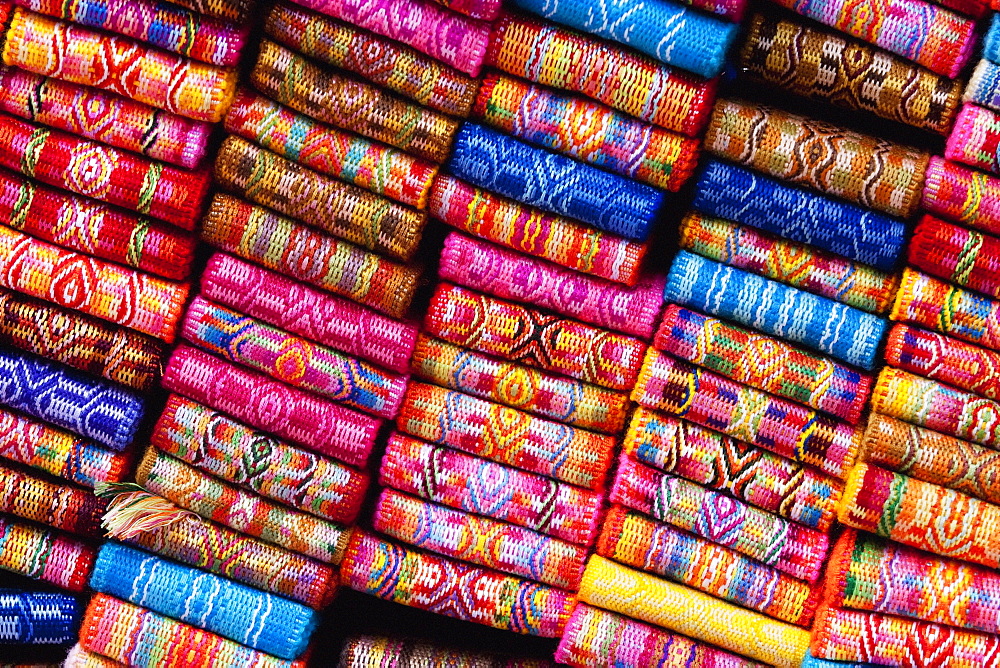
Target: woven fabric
[
  {"x": 289, "y": 413},
  {"x": 555, "y": 238},
  {"x": 479, "y": 540},
  {"x": 865, "y": 170},
  {"x": 506, "y": 435},
  {"x": 738, "y": 194},
  {"x": 956, "y": 254},
  {"x": 750, "y": 474},
  {"x": 788, "y": 262},
  {"x": 234, "y": 452},
  {"x": 595, "y": 637},
  {"x": 103, "y": 172},
  {"x": 118, "y": 65},
  {"x": 346, "y": 156},
  {"x": 548, "y": 54},
  {"x": 299, "y": 309},
  {"x": 436, "y": 584},
  {"x": 41, "y": 446},
  {"x": 974, "y": 8},
  {"x": 876, "y": 575},
  {"x": 486, "y": 488},
  {"x": 922, "y": 515},
  {"x": 948, "y": 309},
  {"x": 38, "y": 618},
  {"x": 238, "y": 509},
  {"x": 509, "y": 275},
  {"x": 47, "y": 555},
  {"x": 943, "y": 358},
  {"x": 486, "y": 10},
  {"x": 534, "y": 338},
  {"x": 731, "y": 9},
  {"x": 785, "y": 428},
  {"x": 693, "y": 613},
  {"x": 66, "y": 398},
  {"x": 293, "y": 360},
  {"x": 764, "y": 362},
  {"x": 587, "y": 131},
  {"x": 217, "y": 549},
  {"x": 932, "y": 457},
  {"x": 160, "y": 24},
  {"x": 237, "y": 11},
  {"x": 975, "y": 139},
  {"x": 362, "y": 651},
  {"x": 664, "y": 30},
  {"x": 823, "y": 66},
  {"x": 142, "y": 638},
  {"x": 251, "y": 617},
  {"x": 343, "y": 210},
  {"x": 555, "y": 183},
  {"x": 106, "y": 118},
  {"x": 853, "y": 635},
  {"x": 56, "y": 505},
  {"x": 841, "y": 331},
  {"x": 991, "y": 40},
  {"x": 934, "y": 37},
  {"x": 984, "y": 86},
  {"x": 94, "y": 228},
  {"x": 79, "y": 657},
  {"x": 329, "y": 96},
  {"x": 281, "y": 244},
  {"x": 772, "y": 540},
  {"x": 931, "y": 404},
  {"x": 637, "y": 541},
  {"x": 812, "y": 662},
  {"x": 963, "y": 195},
  {"x": 115, "y": 353}
]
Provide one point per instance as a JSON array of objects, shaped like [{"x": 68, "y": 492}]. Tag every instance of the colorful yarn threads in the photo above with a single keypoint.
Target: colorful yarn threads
[
  {"x": 56, "y": 505},
  {"x": 984, "y": 86},
  {"x": 939, "y": 357},
  {"x": 963, "y": 195},
  {"x": 975, "y": 139},
  {"x": 957, "y": 254},
  {"x": 38, "y": 618},
  {"x": 31, "y": 550},
  {"x": 367, "y": 650}
]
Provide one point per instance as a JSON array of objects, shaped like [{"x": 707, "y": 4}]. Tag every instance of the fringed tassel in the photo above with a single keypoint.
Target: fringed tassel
[{"x": 132, "y": 510}]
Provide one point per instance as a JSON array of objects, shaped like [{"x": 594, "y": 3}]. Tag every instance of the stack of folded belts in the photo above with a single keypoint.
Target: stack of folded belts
[
  {"x": 973, "y": 140},
  {"x": 38, "y": 618},
  {"x": 363, "y": 651}
]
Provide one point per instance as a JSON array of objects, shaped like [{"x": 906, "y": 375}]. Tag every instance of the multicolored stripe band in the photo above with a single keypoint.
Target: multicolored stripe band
[
  {"x": 945, "y": 359},
  {"x": 478, "y": 540},
  {"x": 237, "y": 11},
  {"x": 922, "y": 515},
  {"x": 555, "y": 238},
  {"x": 963, "y": 195},
  {"x": 295, "y": 415},
  {"x": 487, "y": 10},
  {"x": 44, "y": 554},
  {"x": 59, "y": 506},
  {"x": 984, "y": 85},
  {"x": 379, "y": 568},
  {"x": 957, "y": 254},
  {"x": 975, "y": 140},
  {"x": 79, "y": 657},
  {"x": 865, "y": 170},
  {"x": 693, "y": 613},
  {"x": 480, "y": 486},
  {"x": 38, "y": 618},
  {"x": 234, "y": 452},
  {"x": 361, "y": 651}
]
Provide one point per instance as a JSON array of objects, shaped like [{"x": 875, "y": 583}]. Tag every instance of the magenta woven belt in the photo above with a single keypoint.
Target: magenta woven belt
[
  {"x": 964, "y": 195},
  {"x": 974, "y": 139},
  {"x": 943, "y": 358}
]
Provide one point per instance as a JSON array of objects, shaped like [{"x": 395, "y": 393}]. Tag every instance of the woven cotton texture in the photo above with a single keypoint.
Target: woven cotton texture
[
  {"x": 555, "y": 238},
  {"x": 639, "y": 542},
  {"x": 746, "y": 197},
  {"x": 975, "y": 139},
  {"x": 231, "y": 10},
  {"x": 59, "y": 506},
  {"x": 788, "y": 262},
  {"x": 554, "y": 183},
  {"x": 956, "y": 254},
  {"x": 865, "y": 170},
  {"x": 44, "y": 554},
  {"x": 341, "y": 209},
  {"x": 664, "y": 30},
  {"x": 375, "y": 650},
  {"x": 940, "y": 306},
  {"x": 293, "y": 360},
  {"x": 58, "y": 452},
  {"x": 79, "y": 657},
  {"x": 824, "y": 66},
  {"x": 934, "y": 37},
  {"x": 292, "y": 249},
  {"x": 103, "y": 172},
  {"x": 476, "y": 485},
  {"x": 251, "y": 617},
  {"x": 922, "y": 515},
  {"x": 478, "y": 540},
  {"x": 963, "y": 195},
  {"x": 378, "y": 59},
  {"x": 534, "y": 338},
  {"x": 984, "y": 86},
  {"x": 587, "y": 131},
  {"x": 843, "y": 332},
  {"x": 103, "y": 117},
  {"x": 764, "y": 362},
  {"x": 595, "y": 637},
  {"x": 142, "y": 638},
  {"x": 298, "y": 416},
  {"x": 118, "y": 65},
  {"x": 486, "y": 10},
  {"x": 346, "y": 156},
  {"x": 749, "y": 474},
  {"x": 38, "y": 618},
  {"x": 512, "y": 276},
  {"x": 697, "y": 615},
  {"x": 943, "y": 358}
]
